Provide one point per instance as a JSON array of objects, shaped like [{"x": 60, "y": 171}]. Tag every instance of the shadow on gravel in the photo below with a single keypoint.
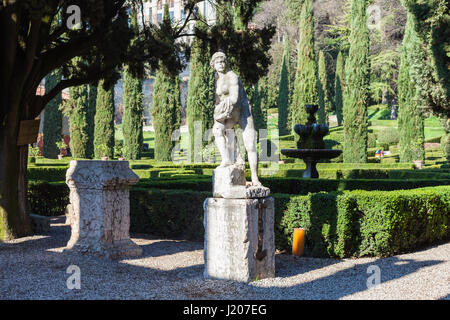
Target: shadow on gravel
[
  {"x": 168, "y": 247},
  {"x": 350, "y": 280}
]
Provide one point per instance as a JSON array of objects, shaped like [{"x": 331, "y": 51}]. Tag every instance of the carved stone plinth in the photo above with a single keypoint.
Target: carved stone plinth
[
  {"x": 239, "y": 239},
  {"x": 100, "y": 208},
  {"x": 229, "y": 183}
]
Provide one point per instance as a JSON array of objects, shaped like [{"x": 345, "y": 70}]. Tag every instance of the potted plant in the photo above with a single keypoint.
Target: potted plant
[
  {"x": 103, "y": 150},
  {"x": 33, "y": 152},
  {"x": 61, "y": 145}
]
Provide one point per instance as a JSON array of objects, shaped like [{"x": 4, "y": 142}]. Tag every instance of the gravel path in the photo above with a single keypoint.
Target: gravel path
[{"x": 35, "y": 268}]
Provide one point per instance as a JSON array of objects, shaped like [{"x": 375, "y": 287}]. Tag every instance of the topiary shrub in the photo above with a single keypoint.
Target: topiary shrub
[
  {"x": 388, "y": 136},
  {"x": 371, "y": 140}
]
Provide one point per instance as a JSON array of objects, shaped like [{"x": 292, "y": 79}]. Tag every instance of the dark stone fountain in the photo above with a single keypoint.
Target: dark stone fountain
[{"x": 311, "y": 147}]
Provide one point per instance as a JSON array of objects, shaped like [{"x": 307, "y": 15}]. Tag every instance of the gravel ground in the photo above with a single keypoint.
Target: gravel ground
[{"x": 35, "y": 268}]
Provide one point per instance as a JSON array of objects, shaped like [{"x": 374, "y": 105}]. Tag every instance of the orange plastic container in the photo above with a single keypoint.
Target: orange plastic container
[{"x": 298, "y": 242}]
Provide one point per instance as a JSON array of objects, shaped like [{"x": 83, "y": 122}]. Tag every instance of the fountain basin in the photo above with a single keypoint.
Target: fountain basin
[{"x": 311, "y": 157}]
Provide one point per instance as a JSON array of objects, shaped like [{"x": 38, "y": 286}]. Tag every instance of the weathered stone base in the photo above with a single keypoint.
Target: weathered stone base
[
  {"x": 114, "y": 250},
  {"x": 39, "y": 224},
  {"x": 99, "y": 209},
  {"x": 229, "y": 183},
  {"x": 239, "y": 239}
]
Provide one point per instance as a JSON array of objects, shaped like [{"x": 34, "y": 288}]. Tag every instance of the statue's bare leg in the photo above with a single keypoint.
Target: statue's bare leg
[
  {"x": 249, "y": 137},
  {"x": 237, "y": 150},
  {"x": 221, "y": 142}
]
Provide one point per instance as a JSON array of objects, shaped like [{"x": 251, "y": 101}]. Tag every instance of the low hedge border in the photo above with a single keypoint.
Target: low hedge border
[
  {"x": 338, "y": 224},
  {"x": 54, "y": 173},
  {"x": 299, "y": 186}
]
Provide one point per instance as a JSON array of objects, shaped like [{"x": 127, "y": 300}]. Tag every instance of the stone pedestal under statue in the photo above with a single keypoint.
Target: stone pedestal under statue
[
  {"x": 99, "y": 210},
  {"x": 239, "y": 229}
]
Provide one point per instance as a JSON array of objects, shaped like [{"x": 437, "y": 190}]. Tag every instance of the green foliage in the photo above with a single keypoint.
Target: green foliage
[
  {"x": 284, "y": 92},
  {"x": 155, "y": 211},
  {"x": 357, "y": 77},
  {"x": 445, "y": 144},
  {"x": 249, "y": 61},
  {"x": 306, "y": 83},
  {"x": 389, "y": 136},
  {"x": 325, "y": 100},
  {"x": 52, "y": 117},
  {"x": 410, "y": 121},
  {"x": 339, "y": 87},
  {"x": 104, "y": 121},
  {"x": 118, "y": 148},
  {"x": 90, "y": 118},
  {"x": 133, "y": 109},
  {"x": 361, "y": 223},
  {"x": 371, "y": 140},
  {"x": 166, "y": 110},
  {"x": 201, "y": 90},
  {"x": 429, "y": 62},
  {"x": 48, "y": 198},
  {"x": 259, "y": 96},
  {"x": 50, "y": 174},
  {"x": 76, "y": 108}
]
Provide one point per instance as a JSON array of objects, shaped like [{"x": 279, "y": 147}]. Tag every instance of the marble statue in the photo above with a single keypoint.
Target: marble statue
[{"x": 232, "y": 108}]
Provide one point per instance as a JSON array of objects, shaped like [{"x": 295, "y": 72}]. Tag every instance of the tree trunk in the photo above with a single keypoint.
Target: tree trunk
[{"x": 14, "y": 217}]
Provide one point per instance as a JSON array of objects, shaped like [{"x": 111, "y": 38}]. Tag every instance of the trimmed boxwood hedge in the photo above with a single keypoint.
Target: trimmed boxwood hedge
[
  {"x": 48, "y": 198},
  {"x": 296, "y": 185},
  {"x": 58, "y": 173},
  {"x": 362, "y": 223},
  {"x": 338, "y": 224}
]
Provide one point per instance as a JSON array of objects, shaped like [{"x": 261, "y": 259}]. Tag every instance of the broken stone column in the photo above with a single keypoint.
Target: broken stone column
[
  {"x": 239, "y": 229},
  {"x": 100, "y": 208}
]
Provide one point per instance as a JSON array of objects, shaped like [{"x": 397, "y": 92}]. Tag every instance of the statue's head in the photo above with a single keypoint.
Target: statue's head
[{"x": 219, "y": 61}]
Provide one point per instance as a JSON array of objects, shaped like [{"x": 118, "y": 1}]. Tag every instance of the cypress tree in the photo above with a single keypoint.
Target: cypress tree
[
  {"x": 52, "y": 117},
  {"x": 258, "y": 105},
  {"x": 430, "y": 66},
  {"x": 90, "y": 115},
  {"x": 357, "y": 77},
  {"x": 77, "y": 112},
  {"x": 133, "y": 109},
  {"x": 166, "y": 106},
  {"x": 325, "y": 89},
  {"x": 104, "y": 122},
  {"x": 410, "y": 121},
  {"x": 165, "y": 113},
  {"x": 321, "y": 116},
  {"x": 284, "y": 92},
  {"x": 201, "y": 90},
  {"x": 338, "y": 87},
  {"x": 133, "y": 105},
  {"x": 305, "y": 84}
]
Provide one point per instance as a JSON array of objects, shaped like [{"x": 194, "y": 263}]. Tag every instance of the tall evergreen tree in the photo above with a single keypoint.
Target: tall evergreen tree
[
  {"x": 52, "y": 117},
  {"x": 201, "y": 90},
  {"x": 321, "y": 114},
  {"x": 165, "y": 113},
  {"x": 133, "y": 105},
  {"x": 305, "y": 84},
  {"x": 284, "y": 92},
  {"x": 90, "y": 115},
  {"x": 166, "y": 108},
  {"x": 76, "y": 108},
  {"x": 410, "y": 121},
  {"x": 357, "y": 78},
  {"x": 430, "y": 67},
  {"x": 324, "y": 84},
  {"x": 257, "y": 106},
  {"x": 338, "y": 87},
  {"x": 104, "y": 122}
]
